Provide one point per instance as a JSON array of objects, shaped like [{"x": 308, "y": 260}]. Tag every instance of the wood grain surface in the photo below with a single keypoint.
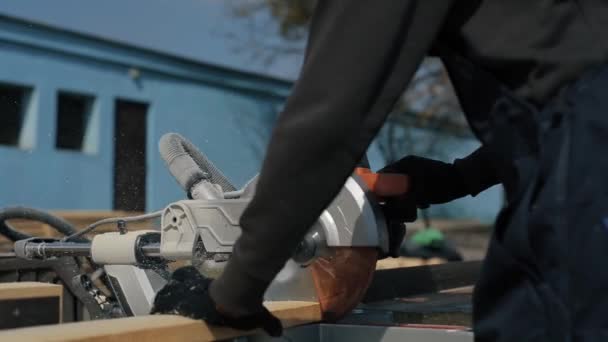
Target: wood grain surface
[{"x": 157, "y": 327}]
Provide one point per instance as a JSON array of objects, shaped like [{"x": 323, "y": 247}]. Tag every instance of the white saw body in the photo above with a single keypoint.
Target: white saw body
[{"x": 203, "y": 230}]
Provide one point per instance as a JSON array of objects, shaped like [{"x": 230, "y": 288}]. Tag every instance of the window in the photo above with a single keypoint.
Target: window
[
  {"x": 13, "y": 103},
  {"x": 73, "y": 114}
]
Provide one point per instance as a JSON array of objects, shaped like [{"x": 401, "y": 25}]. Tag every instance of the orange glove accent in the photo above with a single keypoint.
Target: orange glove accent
[{"x": 384, "y": 184}]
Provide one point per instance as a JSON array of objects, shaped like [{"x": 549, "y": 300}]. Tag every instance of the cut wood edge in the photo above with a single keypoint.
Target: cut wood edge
[
  {"x": 29, "y": 289},
  {"x": 400, "y": 262},
  {"x": 158, "y": 327},
  {"x": 32, "y": 290},
  {"x": 460, "y": 290}
]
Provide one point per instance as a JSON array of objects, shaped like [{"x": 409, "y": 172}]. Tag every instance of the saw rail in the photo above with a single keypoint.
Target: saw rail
[{"x": 51, "y": 249}]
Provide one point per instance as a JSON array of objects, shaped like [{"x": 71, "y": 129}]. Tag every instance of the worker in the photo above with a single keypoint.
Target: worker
[{"x": 532, "y": 80}]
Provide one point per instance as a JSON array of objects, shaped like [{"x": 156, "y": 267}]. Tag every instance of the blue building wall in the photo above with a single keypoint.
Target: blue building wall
[{"x": 228, "y": 114}]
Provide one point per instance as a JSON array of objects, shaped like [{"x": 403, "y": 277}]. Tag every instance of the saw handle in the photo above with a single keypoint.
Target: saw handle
[
  {"x": 384, "y": 184},
  {"x": 391, "y": 188}
]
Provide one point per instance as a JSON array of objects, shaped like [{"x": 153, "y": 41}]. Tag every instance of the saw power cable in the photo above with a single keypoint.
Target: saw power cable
[
  {"x": 110, "y": 220},
  {"x": 31, "y": 214}
]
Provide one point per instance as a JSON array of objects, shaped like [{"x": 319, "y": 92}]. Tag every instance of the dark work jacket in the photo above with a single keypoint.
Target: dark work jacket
[{"x": 359, "y": 59}]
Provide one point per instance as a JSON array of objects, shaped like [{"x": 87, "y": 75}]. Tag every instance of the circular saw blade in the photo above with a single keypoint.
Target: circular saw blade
[{"x": 342, "y": 278}]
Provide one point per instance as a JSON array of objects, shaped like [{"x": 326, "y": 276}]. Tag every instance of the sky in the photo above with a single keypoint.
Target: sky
[{"x": 204, "y": 30}]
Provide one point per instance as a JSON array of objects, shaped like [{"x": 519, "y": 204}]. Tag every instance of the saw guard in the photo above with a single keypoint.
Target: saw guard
[
  {"x": 342, "y": 279},
  {"x": 354, "y": 218}
]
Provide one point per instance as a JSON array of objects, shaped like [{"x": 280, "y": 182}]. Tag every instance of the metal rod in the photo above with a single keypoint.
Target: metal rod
[
  {"x": 151, "y": 250},
  {"x": 82, "y": 249},
  {"x": 57, "y": 249}
]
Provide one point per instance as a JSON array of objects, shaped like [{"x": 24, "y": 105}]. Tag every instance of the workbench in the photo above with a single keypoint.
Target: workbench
[
  {"x": 443, "y": 316},
  {"x": 425, "y": 303}
]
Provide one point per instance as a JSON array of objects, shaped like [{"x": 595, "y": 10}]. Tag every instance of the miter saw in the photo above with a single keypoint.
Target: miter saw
[{"x": 333, "y": 264}]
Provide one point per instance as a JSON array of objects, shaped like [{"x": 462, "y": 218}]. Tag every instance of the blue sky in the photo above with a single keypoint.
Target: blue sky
[{"x": 205, "y": 30}]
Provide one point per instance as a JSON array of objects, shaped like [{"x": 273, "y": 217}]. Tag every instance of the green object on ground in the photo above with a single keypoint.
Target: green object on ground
[{"x": 427, "y": 237}]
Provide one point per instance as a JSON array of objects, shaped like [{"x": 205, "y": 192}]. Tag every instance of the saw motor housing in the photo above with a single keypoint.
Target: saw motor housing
[
  {"x": 352, "y": 219},
  {"x": 204, "y": 231},
  {"x": 208, "y": 228}
]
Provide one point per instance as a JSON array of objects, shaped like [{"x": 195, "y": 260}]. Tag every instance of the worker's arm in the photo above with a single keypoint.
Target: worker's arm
[
  {"x": 360, "y": 57},
  {"x": 435, "y": 182}
]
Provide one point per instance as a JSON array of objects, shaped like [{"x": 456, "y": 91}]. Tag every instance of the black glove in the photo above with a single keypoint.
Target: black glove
[
  {"x": 432, "y": 181},
  {"x": 187, "y": 294}
]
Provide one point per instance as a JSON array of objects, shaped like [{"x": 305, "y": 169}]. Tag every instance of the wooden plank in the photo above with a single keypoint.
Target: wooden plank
[
  {"x": 157, "y": 327},
  {"x": 63, "y": 269},
  {"x": 450, "y": 225},
  {"x": 448, "y": 307},
  {"x": 29, "y": 290},
  {"x": 407, "y": 281},
  {"x": 460, "y": 290},
  {"x": 390, "y": 263},
  {"x": 30, "y": 303}
]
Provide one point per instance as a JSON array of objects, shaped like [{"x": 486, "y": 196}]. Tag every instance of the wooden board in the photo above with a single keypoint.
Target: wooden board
[
  {"x": 448, "y": 307},
  {"x": 157, "y": 327},
  {"x": 451, "y": 225},
  {"x": 29, "y": 290},
  {"x": 30, "y": 303},
  {"x": 390, "y": 263},
  {"x": 408, "y": 281}
]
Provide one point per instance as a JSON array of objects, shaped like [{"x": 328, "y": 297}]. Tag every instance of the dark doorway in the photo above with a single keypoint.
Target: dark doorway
[{"x": 130, "y": 156}]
